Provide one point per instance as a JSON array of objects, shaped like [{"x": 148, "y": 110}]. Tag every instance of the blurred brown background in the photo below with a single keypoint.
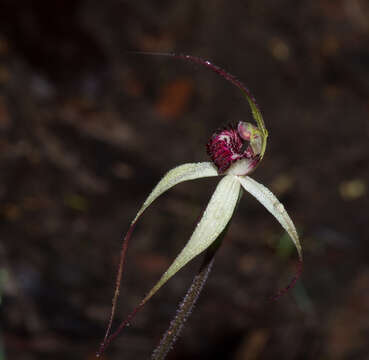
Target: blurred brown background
[{"x": 87, "y": 129}]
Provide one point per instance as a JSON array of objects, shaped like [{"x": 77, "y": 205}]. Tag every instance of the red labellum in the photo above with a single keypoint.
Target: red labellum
[{"x": 230, "y": 145}]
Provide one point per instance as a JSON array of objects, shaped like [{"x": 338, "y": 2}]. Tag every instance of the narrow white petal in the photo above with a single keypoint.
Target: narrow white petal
[
  {"x": 215, "y": 218},
  {"x": 179, "y": 174},
  {"x": 175, "y": 176},
  {"x": 272, "y": 204}
]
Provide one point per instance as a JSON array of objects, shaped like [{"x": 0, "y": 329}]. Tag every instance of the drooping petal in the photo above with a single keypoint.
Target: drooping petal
[
  {"x": 175, "y": 176},
  {"x": 215, "y": 218},
  {"x": 272, "y": 204}
]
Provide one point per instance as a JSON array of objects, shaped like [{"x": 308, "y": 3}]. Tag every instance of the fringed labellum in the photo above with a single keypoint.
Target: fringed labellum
[{"x": 235, "y": 150}]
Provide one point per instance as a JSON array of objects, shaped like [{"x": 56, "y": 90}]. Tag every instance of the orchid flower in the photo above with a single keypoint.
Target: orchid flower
[{"x": 235, "y": 151}]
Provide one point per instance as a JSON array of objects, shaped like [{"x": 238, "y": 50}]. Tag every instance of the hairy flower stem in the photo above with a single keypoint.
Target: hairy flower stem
[
  {"x": 188, "y": 302},
  {"x": 183, "y": 312}
]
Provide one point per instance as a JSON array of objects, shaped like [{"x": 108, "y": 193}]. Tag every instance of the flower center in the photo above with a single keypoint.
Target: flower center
[{"x": 230, "y": 145}]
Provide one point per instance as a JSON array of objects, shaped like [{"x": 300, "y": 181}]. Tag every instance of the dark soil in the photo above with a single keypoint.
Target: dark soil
[{"x": 87, "y": 128}]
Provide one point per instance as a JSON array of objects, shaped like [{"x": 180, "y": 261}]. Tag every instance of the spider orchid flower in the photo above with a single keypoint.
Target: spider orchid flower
[{"x": 235, "y": 152}]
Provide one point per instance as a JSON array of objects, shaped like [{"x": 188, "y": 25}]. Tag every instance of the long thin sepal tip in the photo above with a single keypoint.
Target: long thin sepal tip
[{"x": 291, "y": 284}]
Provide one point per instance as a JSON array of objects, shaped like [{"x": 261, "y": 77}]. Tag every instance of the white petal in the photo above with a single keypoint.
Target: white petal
[
  {"x": 214, "y": 220},
  {"x": 179, "y": 174},
  {"x": 175, "y": 176},
  {"x": 272, "y": 204}
]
